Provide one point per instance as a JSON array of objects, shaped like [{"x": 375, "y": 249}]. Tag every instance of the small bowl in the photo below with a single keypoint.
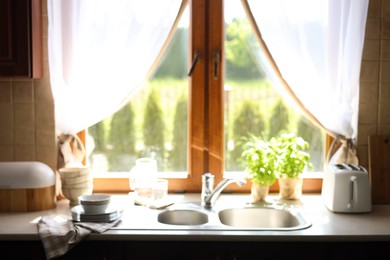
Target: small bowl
[
  {"x": 77, "y": 185},
  {"x": 72, "y": 194},
  {"x": 73, "y": 172},
  {"x": 95, "y": 203},
  {"x": 71, "y": 181}
]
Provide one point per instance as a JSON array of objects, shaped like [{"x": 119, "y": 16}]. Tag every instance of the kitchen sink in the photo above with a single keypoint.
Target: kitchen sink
[
  {"x": 234, "y": 218},
  {"x": 262, "y": 218},
  {"x": 183, "y": 217}
]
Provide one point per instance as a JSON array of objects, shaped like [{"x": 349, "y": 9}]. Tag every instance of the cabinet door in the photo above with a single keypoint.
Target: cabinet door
[
  {"x": 276, "y": 250},
  {"x": 175, "y": 250},
  {"x": 15, "y": 54}
]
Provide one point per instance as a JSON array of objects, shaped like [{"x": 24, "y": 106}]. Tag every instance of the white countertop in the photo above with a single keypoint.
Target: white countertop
[{"x": 326, "y": 226}]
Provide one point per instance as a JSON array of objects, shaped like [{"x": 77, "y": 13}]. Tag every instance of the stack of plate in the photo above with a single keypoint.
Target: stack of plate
[
  {"x": 110, "y": 214},
  {"x": 95, "y": 208}
]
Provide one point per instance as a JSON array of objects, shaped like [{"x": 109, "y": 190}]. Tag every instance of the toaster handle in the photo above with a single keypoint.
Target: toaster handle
[{"x": 352, "y": 192}]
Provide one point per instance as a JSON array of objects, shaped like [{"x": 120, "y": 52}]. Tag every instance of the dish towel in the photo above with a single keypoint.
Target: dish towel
[{"x": 59, "y": 234}]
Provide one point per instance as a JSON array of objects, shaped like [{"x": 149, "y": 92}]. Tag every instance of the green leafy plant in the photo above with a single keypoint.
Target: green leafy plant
[
  {"x": 291, "y": 155},
  {"x": 260, "y": 160}
]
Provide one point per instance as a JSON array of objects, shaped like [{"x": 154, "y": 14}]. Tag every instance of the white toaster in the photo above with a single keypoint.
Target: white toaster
[{"x": 346, "y": 188}]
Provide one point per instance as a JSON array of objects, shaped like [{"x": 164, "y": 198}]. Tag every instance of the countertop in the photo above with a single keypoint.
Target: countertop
[{"x": 326, "y": 226}]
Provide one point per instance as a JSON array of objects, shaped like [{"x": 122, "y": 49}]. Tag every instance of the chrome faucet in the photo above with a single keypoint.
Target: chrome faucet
[{"x": 209, "y": 195}]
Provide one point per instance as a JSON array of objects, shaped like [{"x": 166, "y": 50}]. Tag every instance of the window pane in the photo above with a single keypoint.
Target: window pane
[
  {"x": 252, "y": 103},
  {"x": 154, "y": 121}
]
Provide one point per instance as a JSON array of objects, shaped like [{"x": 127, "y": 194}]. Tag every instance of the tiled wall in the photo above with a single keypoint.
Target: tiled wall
[
  {"x": 374, "y": 107},
  {"x": 27, "y": 129}
]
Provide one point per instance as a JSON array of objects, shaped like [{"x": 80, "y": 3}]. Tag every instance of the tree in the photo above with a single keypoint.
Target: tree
[
  {"x": 316, "y": 140},
  {"x": 98, "y": 132},
  {"x": 248, "y": 120},
  {"x": 178, "y": 156},
  {"x": 240, "y": 59},
  {"x": 153, "y": 128},
  {"x": 175, "y": 62},
  {"x": 279, "y": 120},
  {"x": 122, "y": 139}
]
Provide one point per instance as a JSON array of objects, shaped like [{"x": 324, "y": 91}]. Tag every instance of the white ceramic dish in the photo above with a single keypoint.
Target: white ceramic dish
[
  {"x": 95, "y": 203},
  {"x": 95, "y": 199},
  {"x": 110, "y": 214}
]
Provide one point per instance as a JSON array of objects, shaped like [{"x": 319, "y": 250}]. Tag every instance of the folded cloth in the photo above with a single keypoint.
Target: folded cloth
[{"x": 59, "y": 234}]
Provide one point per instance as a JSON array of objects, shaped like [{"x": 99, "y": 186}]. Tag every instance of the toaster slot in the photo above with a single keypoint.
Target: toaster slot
[
  {"x": 340, "y": 166},
  {"x": 354, "y": 167}
]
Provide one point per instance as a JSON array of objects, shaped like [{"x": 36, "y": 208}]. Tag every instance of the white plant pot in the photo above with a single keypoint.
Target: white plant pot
[
  {"x": 290, "y": 188},
  {"x": 259, "y": 193}
]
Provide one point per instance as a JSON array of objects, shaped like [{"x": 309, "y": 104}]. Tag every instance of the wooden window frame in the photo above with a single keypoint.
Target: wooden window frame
[{"x": 206, "y": 117}]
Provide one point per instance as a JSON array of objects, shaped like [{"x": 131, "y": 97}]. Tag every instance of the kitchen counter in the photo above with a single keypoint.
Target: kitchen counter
[{"x": 326, "y": 226}]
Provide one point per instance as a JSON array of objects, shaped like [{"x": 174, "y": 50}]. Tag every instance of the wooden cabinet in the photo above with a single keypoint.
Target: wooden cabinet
[
  {"x": 277, "y": 250},
  {"x": 208, "y": 250},
  {"x": 21, "y": 38}
]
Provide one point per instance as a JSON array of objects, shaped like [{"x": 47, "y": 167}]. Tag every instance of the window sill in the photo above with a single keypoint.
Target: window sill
[{"x": 118, "y": 182}]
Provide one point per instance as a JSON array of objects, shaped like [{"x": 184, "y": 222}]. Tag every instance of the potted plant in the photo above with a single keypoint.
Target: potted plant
[
  {"x": 291, "y": 161},
  {"x": 259, "y": 158}
]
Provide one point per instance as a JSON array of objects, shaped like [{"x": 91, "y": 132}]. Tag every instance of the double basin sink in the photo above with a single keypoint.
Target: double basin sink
[{"x": 247, "y": 217}]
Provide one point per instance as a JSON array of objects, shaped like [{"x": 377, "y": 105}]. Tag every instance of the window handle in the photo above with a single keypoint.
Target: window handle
[
  {"x": 196, "y": 60},
  {"x": 216, "y": 64}
]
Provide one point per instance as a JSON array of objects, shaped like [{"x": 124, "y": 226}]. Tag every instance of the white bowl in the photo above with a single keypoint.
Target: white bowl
[
  {"x": 95, "y": 199},
  {"x": 73, "y": 172},
  {"x": 72, "y": 194},
  {"x": 77, "y": 185},
  {"x": 95, "y": 209},
  {"x": 95, "y": 203},
  {"x": 76, "y": 180}
]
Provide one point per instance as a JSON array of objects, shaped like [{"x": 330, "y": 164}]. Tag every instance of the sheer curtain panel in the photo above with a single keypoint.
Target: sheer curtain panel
[
  {"x": 100, "y": 51},
  {"x": 317, "y": 47}
]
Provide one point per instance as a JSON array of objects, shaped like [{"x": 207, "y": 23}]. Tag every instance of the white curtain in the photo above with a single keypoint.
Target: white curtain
[
  {"x": 100, "y": 51},
  {"x": 317, "y": 47}
]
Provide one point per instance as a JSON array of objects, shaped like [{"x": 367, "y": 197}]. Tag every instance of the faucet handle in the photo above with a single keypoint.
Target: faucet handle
[{"x": 207, "y": 185}]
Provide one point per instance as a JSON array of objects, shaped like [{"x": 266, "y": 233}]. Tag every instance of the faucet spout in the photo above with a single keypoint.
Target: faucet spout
[{"x": 210, "y": 195}]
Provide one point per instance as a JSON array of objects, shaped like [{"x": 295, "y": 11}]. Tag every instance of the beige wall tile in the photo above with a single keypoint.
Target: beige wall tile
[
  {"x": 371, "y": 50},
  {"x": 385, "y": 50},
  {"x": 369, "y": 93},
  {"x": 44, "y": 113},
  {"x": 385, "y": 71},
  {"x": 42, "y": 91},
  {"x": 5, "y": 91},
  {"x": 385, "y": 32},
  {"x": 374, "y": 9},
  {"x": 24, "y": 135},
  {"x": 369, "y": 71},
  {"x": 7, "y": 124},
  {"x": 45, "y": 134},
  {"x": 23, "y": 92},
  {"x": 6, "y": 153},
  {"x": 24, "y": 153},
  {"x": 384, "y": 113},
  {"x": 24, "y": 114},
  {"x": 368, "y": 114},
  {"x": 46, "y": 154},
  {"x": 365, "y": 131},
  {"x": 373, "y": 28},
  {"x": 6, "y": 136},
  {"x": 384, "y": 129},
  {"x": 385, "y": 8},
  {"x": 384, "y": 96}
]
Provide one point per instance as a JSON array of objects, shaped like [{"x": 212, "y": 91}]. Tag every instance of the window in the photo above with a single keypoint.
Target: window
[{"x": 207, "y": 110}]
